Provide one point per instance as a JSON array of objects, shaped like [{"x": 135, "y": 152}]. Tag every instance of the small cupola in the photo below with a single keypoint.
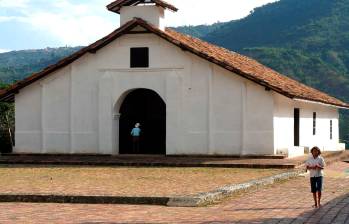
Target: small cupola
[{"x": 152, "y": 11}]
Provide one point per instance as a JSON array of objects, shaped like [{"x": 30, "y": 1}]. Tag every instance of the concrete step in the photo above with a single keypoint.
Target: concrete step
[
  {"x": 134, "y": 156},
  {"x": 165, "y": 161},
  {"x": 148, "y": 161}
]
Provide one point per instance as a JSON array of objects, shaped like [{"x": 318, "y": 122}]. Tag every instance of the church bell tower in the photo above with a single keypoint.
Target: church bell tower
[{"x": 152, "y": 11}]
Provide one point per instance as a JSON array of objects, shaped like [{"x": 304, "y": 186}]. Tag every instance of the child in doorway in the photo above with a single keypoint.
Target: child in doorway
[
  {"x": 135, "y": 133},
  {"x": 316, "y": 165}
]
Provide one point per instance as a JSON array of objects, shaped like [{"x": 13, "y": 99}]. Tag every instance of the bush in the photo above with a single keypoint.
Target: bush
[{"x": 7, "y": 123}]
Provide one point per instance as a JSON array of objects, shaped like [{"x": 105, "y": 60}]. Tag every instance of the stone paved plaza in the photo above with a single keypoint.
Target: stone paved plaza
[{"x": 287, "y": 202}]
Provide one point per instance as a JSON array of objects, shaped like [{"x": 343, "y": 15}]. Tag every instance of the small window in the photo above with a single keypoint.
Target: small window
[
  {"x": 331, "y": 129},
  {"x": 314, "y": 123},
  {"x": 140, "y": 57}
]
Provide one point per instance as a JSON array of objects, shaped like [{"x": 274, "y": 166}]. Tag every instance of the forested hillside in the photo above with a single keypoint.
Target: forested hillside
[
  {"x": 16, "y": 65},
  {"x": 199, "y": 31}
]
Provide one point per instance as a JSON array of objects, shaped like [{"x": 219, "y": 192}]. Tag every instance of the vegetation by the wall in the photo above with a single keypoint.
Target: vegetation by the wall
[{"x": 7, "y": 125}]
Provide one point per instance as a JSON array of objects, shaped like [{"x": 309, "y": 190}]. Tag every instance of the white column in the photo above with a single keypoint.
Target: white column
[
  {"x": 105, "y": 115},
  {"x": 210, "y": 119},
  {"x": 173, "y": 132},
  {"x": 43, "y": 131},
  {"x": 71, "y": 112},
  {"x": 243, "y": 117},
  {"x": 116, "y": 125}
]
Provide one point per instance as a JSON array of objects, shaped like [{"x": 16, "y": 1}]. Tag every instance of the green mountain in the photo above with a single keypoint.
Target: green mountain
[
  {"x": 307, "y": 40},
  {"x": 16, "y": 65},
  {"x": 199, "y": 31}
]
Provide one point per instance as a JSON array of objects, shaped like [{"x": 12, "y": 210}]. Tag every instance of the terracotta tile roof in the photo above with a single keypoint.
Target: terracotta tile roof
[
  {"x": 254, "y": 71},
  {"x": 234, "y": 62},
  {"x": 118, "y": 4}
]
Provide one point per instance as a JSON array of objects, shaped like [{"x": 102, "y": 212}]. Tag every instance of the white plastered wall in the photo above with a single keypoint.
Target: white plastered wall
[
  {"x": 209, "y": 109},
  {"x": 151, "y": 13},
  {"x": 28, "y": 119},
  {"x": 284, "y": 126}
]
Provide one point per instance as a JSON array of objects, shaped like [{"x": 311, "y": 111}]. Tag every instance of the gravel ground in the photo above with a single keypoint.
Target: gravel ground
[{"x": 123, "y": 181}]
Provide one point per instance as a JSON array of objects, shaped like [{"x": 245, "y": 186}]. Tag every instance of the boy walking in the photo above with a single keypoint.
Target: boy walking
[{"x": 316, "y": 165}]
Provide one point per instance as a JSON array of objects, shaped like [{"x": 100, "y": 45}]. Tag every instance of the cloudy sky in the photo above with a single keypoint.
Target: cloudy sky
[{"x": 32, "y": 24}]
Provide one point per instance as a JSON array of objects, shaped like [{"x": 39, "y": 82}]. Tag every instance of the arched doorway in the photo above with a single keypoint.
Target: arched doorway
[{"x": 146, "y": 107}]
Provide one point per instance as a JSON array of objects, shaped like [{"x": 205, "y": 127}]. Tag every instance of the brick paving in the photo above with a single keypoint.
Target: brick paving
[{"x": 288, "y": 202}]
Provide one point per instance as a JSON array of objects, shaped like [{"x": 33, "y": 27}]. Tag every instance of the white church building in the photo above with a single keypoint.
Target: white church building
[{"x": 190, "y": 97}]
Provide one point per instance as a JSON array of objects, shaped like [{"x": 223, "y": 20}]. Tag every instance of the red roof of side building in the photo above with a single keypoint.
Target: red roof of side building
[
  {"x": 118, "y": 4},
  {"x": 234, "y": 62}
]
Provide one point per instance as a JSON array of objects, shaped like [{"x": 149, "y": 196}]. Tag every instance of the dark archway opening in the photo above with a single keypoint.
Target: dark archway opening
[{"x": 147, "y": 108}]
